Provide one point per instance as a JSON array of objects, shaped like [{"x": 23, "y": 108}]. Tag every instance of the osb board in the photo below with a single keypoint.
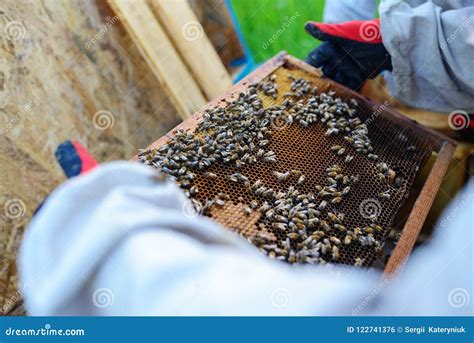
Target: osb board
[{"x": 60, "y": 63}]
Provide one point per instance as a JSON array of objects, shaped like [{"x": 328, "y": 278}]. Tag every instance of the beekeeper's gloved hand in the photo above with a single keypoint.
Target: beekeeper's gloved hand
[{"x": 352, "y": 52}]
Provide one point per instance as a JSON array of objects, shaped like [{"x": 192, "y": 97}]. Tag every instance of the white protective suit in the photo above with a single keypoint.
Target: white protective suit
[
  {"x": 431, "y": 44},
  {"x": 118, "y": 242}
]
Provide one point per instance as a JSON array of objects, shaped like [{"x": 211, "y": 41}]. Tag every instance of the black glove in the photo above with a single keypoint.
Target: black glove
[{"x": 352, "y": 52}]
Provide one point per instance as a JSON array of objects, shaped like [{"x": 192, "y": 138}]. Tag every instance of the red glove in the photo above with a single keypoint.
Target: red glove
[
  {"x": 352, "y": 52},
  {"x": 74, "y": 158}
]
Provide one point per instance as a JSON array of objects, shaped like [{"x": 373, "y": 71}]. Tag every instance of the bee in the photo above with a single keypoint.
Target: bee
[
  {"x": 340, "y": 227},
  {"x": 341, "y": 151},
  {"x": 335, "y": 240},
  {"x": 385, "y": 195},
  {"x": 411, "y": 148},
  {"x": 257, "y": 184},
  {"x": 381, "y": 177},
  {"x": 324, "y": 225},
  {"x": 270, "y": 214},
  {"x": 332, "y": 217},
  {"x": 372, "y": 157},
  {"x": 336, "y": 148},
  {"x": 193, "y": 190},
  {"x": 280, "y": 226},
  {"x": 377, "y": 227},
  {"x": 219, "y": 202},
  {"x": 346, "y": 190},
  {"x": 295, "y": 172},
  {"x": 317, "y": 235},
  {"x": 210, "y": 175},
  {"x": 303, "y": 123},
  {"x": 331, "y": 131},
  {"x": 323, "y": 205},
  {"x": 347, "y": 240},
  {"x": 247, "y": 210},
  {"x": 348, "y": 159},
  {"x": 382, "y": 167},
  {"x": 391, "y": 176},
  {"x": 368, "y": 229},
  {"x": 281, "y": 218},
  {"x": 301, "y": 180},
  {"x": 253, "y": 204},
  {"x": 358, "y": 262},
  {"x": 335, "y": 252},
  {"x": 292, "y": 235},
  {"x": 281, "y": 176},
  {"x": 336, "y": 200}
]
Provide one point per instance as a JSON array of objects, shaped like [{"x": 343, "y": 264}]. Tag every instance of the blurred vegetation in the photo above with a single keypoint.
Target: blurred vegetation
[{"x": 270, "y": 26}]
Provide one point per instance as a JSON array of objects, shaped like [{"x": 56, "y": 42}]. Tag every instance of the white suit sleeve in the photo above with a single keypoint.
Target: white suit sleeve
[
  {"x": 117, "y": 242},
  {"x": 432, "y": 51}
]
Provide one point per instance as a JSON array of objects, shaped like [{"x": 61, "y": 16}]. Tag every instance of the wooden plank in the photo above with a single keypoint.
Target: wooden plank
[
  {"x": 418, "y": 215},
  {"x": 160, "y": 55},
  {"x": 192, "y": 43}
]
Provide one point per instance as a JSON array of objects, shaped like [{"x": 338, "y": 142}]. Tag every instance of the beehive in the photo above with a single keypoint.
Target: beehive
[{"x": 400, "y": 146}]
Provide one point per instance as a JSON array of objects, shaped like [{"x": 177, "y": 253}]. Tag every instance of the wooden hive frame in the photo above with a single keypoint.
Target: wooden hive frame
[{"x": 444, "y": 146}]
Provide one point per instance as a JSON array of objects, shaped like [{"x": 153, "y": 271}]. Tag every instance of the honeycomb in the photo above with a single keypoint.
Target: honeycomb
[{"x": 308, "y": 150}]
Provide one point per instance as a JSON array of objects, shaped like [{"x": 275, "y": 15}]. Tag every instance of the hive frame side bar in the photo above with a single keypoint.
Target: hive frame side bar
[
  {"x": 189, "y": 124},
  {"x": 420, "y": 211}
]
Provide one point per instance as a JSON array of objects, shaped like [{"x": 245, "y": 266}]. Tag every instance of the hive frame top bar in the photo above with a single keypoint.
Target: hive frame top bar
[
  {"x": 443, "y": 145},
  {"x": 269, "y": 67}
]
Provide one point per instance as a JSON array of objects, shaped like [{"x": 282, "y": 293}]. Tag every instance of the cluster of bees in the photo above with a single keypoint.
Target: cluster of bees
[{"x": 239, "y": 133}]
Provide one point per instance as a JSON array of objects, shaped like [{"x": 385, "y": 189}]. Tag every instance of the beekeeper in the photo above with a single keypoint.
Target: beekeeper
[
  {"x": 117, "y": 241},
  {"x": 424, "y": 49}
]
